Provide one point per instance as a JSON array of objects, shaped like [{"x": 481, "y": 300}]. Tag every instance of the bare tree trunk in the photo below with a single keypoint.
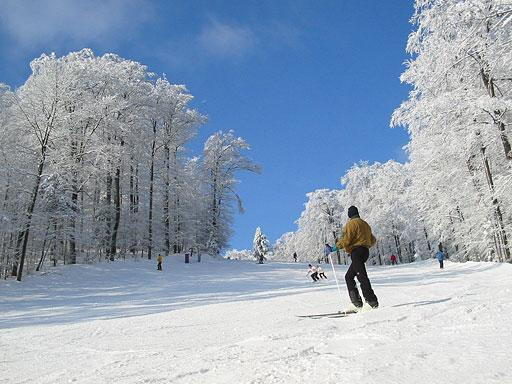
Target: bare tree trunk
[
  {"x": 151, "y": 183},
  {"x": 117, "y": 216},
  {"x": 136, "y": 200},
  {"x": 7, "y": 256},
  {"x": 83, "y": 243},
  {"x": 132, "y": 189},
  {"x": 108, "y": 218},
  {"x": 43, "y": 253},
  {"x": 497, "y": 209},
  {"x": 95, "y": 204},
  {"x": 178, "y": 246},
  {"x": 74, "y": 202},
  {"x": 72, "y": 233},
  {"x": 493, "y": 246},
  {"x": 5, "y": 268},
  {"x": 426, "y": 238},
  {"x": 213, "y": 233},
  {"x": 398, "y": 245},
  {"x": 167, "y": 231},
  {"x": 132, "y": 218},
  {"x": 379, "y": 255},
  {"x": 24, "y": 234},
  {"x": 498, "y": 115}
]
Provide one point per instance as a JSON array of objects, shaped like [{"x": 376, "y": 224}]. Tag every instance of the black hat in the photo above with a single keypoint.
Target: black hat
[{"x": 352, "y": 211}]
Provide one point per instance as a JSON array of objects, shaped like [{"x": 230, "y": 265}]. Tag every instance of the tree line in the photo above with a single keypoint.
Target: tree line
[{"x": 94, "y": 166}]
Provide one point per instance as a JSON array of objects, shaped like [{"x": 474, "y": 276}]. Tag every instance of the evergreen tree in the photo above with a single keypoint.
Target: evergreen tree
[{"x": 260, "y": 245}]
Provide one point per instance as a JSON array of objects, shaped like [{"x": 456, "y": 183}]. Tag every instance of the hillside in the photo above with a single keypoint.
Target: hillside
[{"x": 235, "y": 322}]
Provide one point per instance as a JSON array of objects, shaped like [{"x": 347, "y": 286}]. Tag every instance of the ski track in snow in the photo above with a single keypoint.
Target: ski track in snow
[{"x": 234, "y": 322}]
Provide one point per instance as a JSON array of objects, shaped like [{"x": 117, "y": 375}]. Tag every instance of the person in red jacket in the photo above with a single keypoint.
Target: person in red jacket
[{"x": 393, "y": 260}]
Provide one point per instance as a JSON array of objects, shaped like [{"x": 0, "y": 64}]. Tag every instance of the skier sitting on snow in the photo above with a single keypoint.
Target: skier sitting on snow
[
  {"x": 356, "y": 241},
  {"x": 321, "y": 273},
  {"x": 314, "y": 272}
]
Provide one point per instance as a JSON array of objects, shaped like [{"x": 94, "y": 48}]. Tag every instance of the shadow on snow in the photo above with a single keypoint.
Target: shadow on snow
[{"x": 125, "y": 289}]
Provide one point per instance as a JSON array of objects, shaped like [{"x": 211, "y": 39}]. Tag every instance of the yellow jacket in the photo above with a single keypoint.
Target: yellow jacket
[
  {"x": 356, "y": 233},
  {"x": 160, "y": 258}
]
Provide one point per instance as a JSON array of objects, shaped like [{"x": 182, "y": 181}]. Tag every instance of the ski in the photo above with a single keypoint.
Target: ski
[{"x": 332, "y": 314}]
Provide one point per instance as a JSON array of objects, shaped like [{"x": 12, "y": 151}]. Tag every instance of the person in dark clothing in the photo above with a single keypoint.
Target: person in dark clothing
[
  {"x": 440, "y": 256},
  {"x": 295, "y": 256},
  {"x": 356, "y": 241},
  {"x": 327, "y": 252}
]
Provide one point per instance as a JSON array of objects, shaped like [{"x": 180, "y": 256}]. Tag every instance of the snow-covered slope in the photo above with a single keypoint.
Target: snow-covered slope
[{"x": 234, "y": 322}]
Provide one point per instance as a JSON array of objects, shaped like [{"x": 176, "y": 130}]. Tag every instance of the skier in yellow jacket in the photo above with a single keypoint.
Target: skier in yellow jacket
[
  {"x": 159, "y": 259},
  {"x": 356, "y": 240}
]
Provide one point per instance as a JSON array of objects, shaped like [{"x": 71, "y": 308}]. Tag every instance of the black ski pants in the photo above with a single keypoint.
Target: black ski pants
[
  {"x": 159, "y": 266},
  {"x": 314, "y": 276},
  {"x": 357, "y": 269}
]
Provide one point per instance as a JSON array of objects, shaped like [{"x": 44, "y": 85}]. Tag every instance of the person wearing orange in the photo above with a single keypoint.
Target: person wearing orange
[
  {"x": 159, "y": 260},
  {"x": 357, "y": 239}
]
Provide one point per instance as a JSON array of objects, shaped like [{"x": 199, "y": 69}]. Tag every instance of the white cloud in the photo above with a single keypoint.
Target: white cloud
[
  {"x": 216, "y": 40},
  {"x": 31, "y": 23},
  {"x": 224, "y": 40}
]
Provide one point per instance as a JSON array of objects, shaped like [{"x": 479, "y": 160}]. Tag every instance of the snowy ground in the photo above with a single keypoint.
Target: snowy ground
[{"x": 234, "y": 322}]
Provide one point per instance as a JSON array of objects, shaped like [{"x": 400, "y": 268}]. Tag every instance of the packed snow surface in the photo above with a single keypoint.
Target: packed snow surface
[{"x": 235, "y": 322}]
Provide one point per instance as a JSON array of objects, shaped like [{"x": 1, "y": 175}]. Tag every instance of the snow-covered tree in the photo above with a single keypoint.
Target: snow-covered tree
[
  {"x": 381, "y": 192},
  {"x": 94, "y": 166},
  {"x": 456, "y": 188},
  {"x": 260, "y": 245},
  {"x": 459, "y": 116},
  {"x": 235, "y": 254},
  {"x": 223, "y": 159}
]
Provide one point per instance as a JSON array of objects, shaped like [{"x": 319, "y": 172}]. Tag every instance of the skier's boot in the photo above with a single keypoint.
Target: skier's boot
[
  {"x": 355, "y": 298},
  {"x": 373, "y": 304}
]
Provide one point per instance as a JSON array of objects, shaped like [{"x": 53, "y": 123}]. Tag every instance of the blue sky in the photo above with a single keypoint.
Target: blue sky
[{"x": 311, "y": 85}]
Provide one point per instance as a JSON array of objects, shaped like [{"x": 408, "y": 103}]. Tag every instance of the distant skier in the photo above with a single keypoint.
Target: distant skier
[
  {"x": 314, "y": 272},
  {"x": 356, "y": 240},
  {"x": 321, "y": 273},
  {"x": 159, "y": 259},
  {"x": 440, "y": 256},
  {"x": 393, "y": 260},
  {"x": 295, "y": 256},
  {"x": 327, "y": 251}
]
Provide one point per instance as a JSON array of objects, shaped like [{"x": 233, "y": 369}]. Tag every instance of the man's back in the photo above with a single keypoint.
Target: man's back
[{"x": 356, "y": 233}]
